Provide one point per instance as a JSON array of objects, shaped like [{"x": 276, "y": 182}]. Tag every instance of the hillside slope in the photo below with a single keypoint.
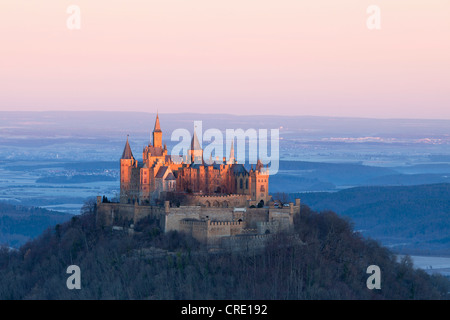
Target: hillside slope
[{"x": 114, "y": 265}]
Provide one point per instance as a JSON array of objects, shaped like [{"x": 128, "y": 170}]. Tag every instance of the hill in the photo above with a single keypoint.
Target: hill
[
  {"x": 18, "y": 224},
  {"x": 149, "y": 265},
  {"x": 413, "y": 219},
  {"x": 303, "y": 176},
  {"x": 318, "y": 176}
]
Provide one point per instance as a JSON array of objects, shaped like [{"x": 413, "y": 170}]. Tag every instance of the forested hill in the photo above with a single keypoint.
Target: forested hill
[
  {"x": 412, "y": 218},
  {"x": 18, "y": 224},
  {"x": 332, "y": 264}
]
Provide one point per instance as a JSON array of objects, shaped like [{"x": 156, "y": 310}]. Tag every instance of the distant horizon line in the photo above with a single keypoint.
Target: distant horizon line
[{"x": 223, "y": 114}]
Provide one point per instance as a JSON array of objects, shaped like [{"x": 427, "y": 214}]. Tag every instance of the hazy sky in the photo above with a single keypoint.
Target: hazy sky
[{"x": 297, "y": 57}]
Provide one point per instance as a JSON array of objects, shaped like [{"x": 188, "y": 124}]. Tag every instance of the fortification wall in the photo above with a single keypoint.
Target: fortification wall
[
  {"x": 216, "y": 214},
  {"x": 267, "y": 227},
  {"x": 218, "y": 201},
  {"x": 244, "y": 242},
  {"x": 255, "y": 215},
  {"x": 209, "y": 225},
  {"x": 198, "y": 229},
  {"x": 109, "y": 214},
  {"x": 171, "y": 220},
  {"x": 119, "y": 214},
  {"x": 255, "y": 242}
]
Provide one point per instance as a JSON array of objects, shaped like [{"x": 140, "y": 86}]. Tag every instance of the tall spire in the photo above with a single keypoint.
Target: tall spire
[
  {"x": 232, "y": 159},
  {"x": 259, "y": 166},
  {"x": 157, "y": 133},
  {"x": 196, "y": 151},
  {"x": 157, "y": 126},
  {"x": 195, "y": 144},
  {"x": 127, "y": 154}
]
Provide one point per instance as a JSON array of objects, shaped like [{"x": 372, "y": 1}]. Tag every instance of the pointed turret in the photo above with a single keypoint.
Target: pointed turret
[
  {"x": 195, "y": 144},
  {"x": 127, "y": 154},
  {"x": 157, "y": 125},
  {"x": 157, "y": 134},
  {"x": 127, "y": 166},
  {"x": 231, "y": 159},
  {"x": 259, "y": 166},
  {"x": 196, "y": 151}
]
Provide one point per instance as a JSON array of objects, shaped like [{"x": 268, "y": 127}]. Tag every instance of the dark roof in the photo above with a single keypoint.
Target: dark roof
[
  {"x": 127, "y": 154},
  {"x": 239, "y": 169},
  {"x": 170, "y": 176},
  {"x": 161, "y": 172},
  {"x": 196, "y": 165},
  {"x": 155, "y": 151}
]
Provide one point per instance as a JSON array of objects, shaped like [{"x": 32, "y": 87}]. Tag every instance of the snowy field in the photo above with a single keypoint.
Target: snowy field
[{"x": 432, "y": 264}]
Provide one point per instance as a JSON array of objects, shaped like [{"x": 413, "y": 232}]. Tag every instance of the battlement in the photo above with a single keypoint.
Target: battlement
[
  {"x": 242, "y": 226},
  {"x": 188, "y": 222},
  {"x": 220, "y": 196},
  {"x": 267, "y": 223},
  {"x": 224, "y": 223}
]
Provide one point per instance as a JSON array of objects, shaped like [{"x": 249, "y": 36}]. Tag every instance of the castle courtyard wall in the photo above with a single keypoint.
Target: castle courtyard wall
[{"x": 209, "y": 225}]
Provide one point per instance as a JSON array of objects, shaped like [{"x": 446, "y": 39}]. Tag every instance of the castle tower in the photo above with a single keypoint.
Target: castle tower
[
  {"x": 128, "y": 168},
  {"x": 260, "y": 183},
  {"x": 157, "y": 134},
  {"x": 231, "y": 159},
  {"x": 196, "y": 152}
]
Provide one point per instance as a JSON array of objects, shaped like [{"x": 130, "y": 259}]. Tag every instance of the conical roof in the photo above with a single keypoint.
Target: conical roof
[
  {"x": 232, "y": 158},
  {"x": 259, "y": 165},
  {"x": 195, "y": 144},
  {"x": 157, "y": 126},
  {"x": 127, "y": 154}
]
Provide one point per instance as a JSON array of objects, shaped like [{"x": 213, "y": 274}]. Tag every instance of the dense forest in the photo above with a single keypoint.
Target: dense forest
[{"x": 331, "y": 264}]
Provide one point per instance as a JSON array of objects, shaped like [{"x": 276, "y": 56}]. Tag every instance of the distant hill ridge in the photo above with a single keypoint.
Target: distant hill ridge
[
  {"x": 18, "y": 224},
  {"x": 414, "y": 216}
]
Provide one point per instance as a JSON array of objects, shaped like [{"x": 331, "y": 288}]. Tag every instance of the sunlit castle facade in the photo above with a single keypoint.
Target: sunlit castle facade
[{"x": 220, "y": 184}]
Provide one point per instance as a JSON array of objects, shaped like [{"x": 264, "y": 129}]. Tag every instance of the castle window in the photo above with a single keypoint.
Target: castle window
[
  {"x": 246, "y": 184},
  {"x": 241, "y": 184}
]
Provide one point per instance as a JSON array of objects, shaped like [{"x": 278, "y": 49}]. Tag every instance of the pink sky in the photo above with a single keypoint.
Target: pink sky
[{"x": 235, "y": 56}]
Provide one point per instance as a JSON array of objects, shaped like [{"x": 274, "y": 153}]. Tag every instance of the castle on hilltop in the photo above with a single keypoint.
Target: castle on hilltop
[
  {"x": 158, "y": 175},
  {"x": 220, "y": 203}
]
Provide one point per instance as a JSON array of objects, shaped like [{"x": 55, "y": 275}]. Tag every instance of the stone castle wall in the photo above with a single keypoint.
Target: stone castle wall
[{"x": 209, "y": 225}]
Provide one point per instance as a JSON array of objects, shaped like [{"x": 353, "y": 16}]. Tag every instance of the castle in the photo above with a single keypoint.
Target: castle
[
  {"x": 158, "y": 175},
  {"x": 220, "y": 203}
]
